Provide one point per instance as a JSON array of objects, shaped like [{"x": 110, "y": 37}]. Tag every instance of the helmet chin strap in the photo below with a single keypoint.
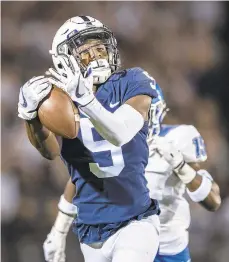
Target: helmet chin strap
[{"x": 101, "y": 71}]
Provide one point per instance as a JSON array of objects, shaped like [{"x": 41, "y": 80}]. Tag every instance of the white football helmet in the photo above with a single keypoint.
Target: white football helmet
[{"x": 73, "y": 33}]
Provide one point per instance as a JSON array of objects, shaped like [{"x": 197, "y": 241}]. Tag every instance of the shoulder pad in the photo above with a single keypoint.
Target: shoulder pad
[
  {"x": 188, "y": 140},
  {"x": 139, "y": 82},
  {"x": 138, "y": 74}
]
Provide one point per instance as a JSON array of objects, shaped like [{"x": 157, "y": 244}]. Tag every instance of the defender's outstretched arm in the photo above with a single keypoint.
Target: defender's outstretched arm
[{"x": 200, "y": 185}]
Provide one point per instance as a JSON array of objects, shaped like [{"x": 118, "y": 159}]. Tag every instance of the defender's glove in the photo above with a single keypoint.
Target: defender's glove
[
  {"x": 172, "y": 155},
  {"x": 79, "y": 87},
  {"x": 31, "y": 94},
  {"x": 175, "y": 158},
  {"x": 55, "y": 243}
]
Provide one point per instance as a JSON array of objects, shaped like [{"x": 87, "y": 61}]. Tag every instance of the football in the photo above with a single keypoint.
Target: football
[{"x": 58, "y": 113}]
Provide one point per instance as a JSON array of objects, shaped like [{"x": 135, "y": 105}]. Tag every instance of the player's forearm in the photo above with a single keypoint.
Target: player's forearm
[
  {"x": 69, "y": 191},
  {"x": 56, "y": 239},
  {"x": 65, "y": 204},
  {"x": 42, "y": 139},
  {"x": 67, "y": 211},
  {"x": 119, "y": 127},
  {"x": 213, "y": 200},
  {"x": 205, "y": 190}
]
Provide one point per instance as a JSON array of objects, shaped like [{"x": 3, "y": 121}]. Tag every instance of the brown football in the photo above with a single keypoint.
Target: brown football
[{"x": 58, "y": 113}]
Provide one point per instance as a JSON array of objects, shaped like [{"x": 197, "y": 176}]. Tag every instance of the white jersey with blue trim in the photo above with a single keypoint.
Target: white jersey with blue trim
[{"x": 167, "y": 188}]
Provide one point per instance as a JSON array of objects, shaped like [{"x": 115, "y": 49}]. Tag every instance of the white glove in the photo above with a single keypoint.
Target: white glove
[
  {"x": 79, "y": 87},
  {"x": 151, "y": 141},
  {"x": 172, "y": 155},
  {"x": 31, "y": 94},
  {"x": 54, "y": 246}
]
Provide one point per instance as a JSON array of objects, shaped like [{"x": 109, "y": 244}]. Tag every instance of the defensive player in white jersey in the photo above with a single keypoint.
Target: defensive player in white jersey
[
  {"x": 176, "y": 153},
  {"x": 117, "y": 219}
]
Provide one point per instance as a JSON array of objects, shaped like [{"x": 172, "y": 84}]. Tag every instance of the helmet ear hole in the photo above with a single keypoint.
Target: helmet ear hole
[
  {"x": 69, "y": 53},
  {"x": 60, "y": 66}
]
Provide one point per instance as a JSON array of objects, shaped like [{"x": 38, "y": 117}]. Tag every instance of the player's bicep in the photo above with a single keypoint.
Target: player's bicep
[
  {"x": 140, "y": 103},
  {"x": 140, "y": 91},
  {"x": 69, "y": 191}
]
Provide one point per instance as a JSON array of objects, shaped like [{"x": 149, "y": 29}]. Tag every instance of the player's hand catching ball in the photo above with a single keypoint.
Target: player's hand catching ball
[
  {"x": 31, "y": 94},
  {"x": 78, "y": 86}
]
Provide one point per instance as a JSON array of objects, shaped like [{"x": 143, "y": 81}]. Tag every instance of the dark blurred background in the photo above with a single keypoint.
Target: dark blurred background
[{"x": 184, "y": 45}]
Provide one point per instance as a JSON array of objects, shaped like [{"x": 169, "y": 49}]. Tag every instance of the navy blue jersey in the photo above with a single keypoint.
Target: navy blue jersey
[{"x": 110, "y": 181}]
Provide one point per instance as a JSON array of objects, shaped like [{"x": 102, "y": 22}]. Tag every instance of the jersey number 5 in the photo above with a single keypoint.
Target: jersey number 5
[{"x": 110, "y": 158}]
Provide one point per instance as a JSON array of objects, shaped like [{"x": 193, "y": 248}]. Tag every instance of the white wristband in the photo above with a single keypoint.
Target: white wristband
[
  {"x": 66, "y": 207},
  {"x": 202, "y": 191},
  {"x": 203, "y": 172},
  {"x": 186, "y": 173}
]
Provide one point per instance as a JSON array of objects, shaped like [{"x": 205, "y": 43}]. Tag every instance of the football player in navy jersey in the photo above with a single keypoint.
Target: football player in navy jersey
[
  {"x": 117, "y": 220},
  {"x": 176, "y": 153}
]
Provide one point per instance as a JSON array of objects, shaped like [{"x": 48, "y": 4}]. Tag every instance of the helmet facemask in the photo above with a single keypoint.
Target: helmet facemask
[{"x": 101, "y": 67}]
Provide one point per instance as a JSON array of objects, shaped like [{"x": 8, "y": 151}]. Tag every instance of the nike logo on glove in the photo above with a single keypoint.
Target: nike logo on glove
[{"x": 114, "y": 105}]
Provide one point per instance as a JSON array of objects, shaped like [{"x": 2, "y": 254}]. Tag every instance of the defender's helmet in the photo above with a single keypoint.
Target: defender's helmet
[
  {"x": 158, "y": 111},
  {"x": 73, "y": 33}
]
